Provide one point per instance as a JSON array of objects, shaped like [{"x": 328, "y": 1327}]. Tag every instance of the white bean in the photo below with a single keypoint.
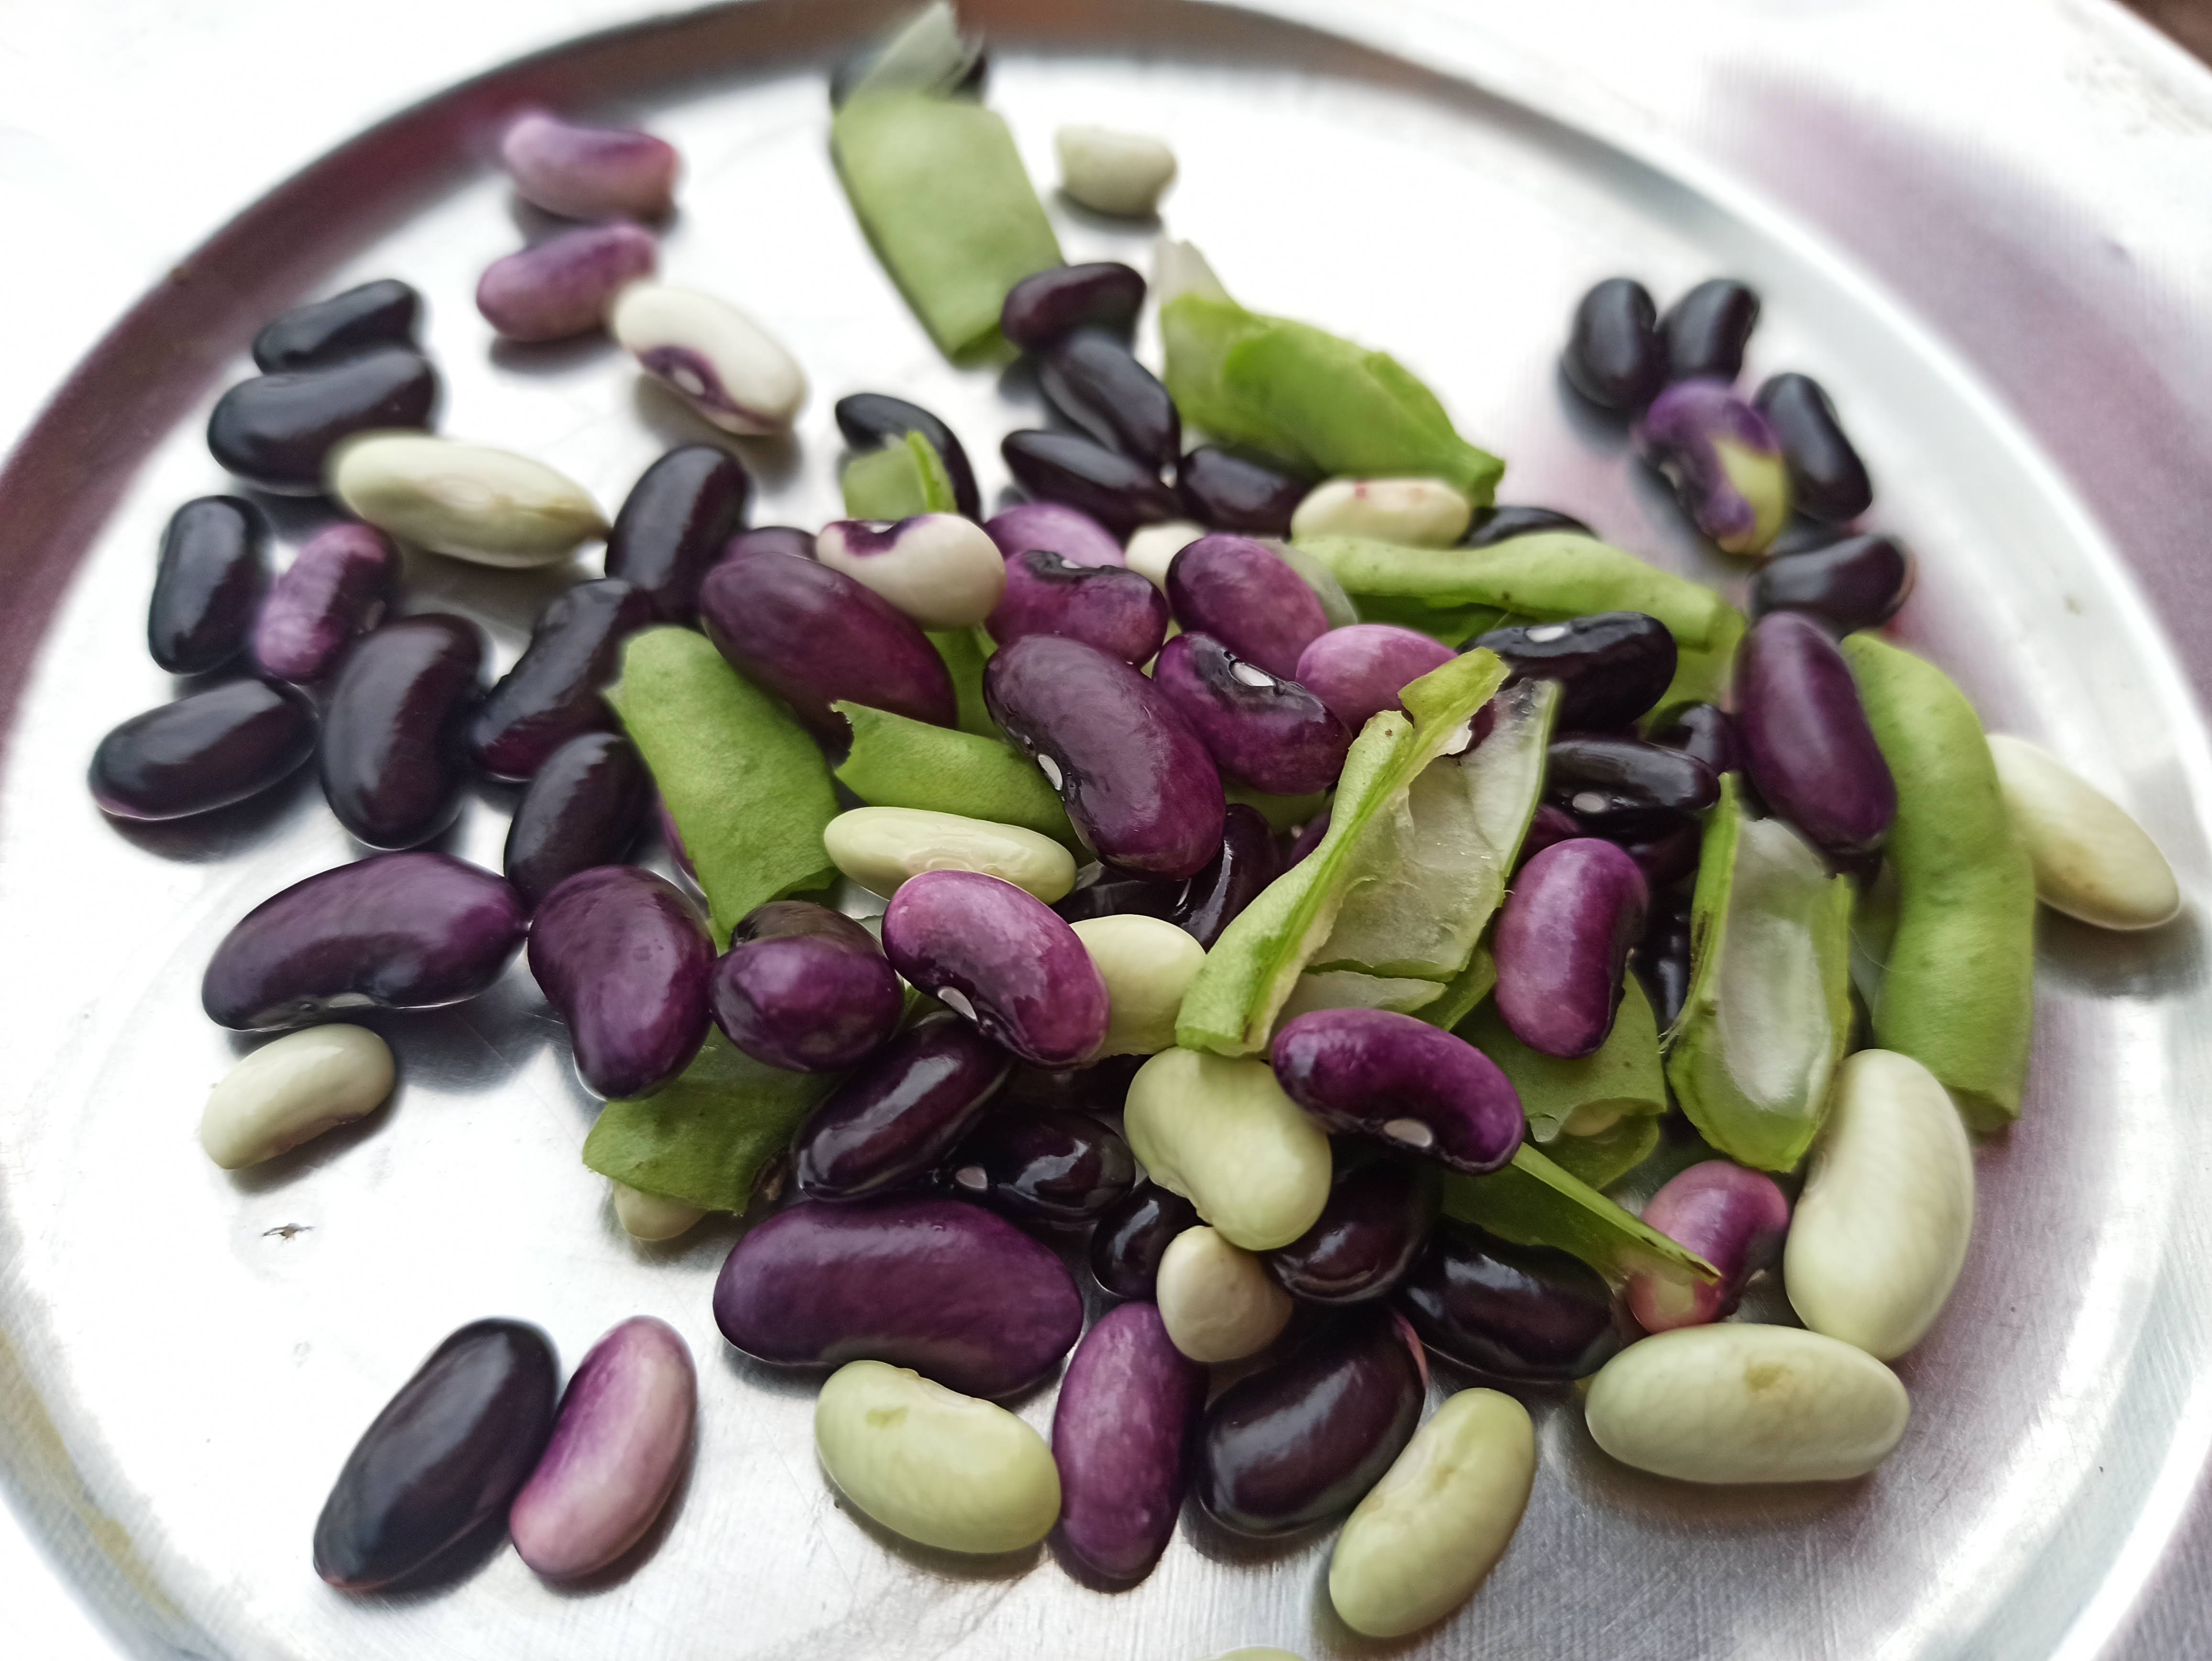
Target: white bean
[
  {"x": 1152, "y": 547},
  {"x": 1219, "y": 1131},
  {"x": 1414, "y": 513},
  {"x": 653, "y": 1216},
  {"x": 1218, "y": 1301},
  {"x": 471, "y": 500},
  {"x": 292, "y": 1090},
  {"x": 881, "y": 847},
  {"x": 725, "y": 365},
  {"x": 2092, "y": 861},
  {"x": 1147, "y": 964},
  {"x": 1123, "y": 173},
  {"x": 942, "y": 571}
]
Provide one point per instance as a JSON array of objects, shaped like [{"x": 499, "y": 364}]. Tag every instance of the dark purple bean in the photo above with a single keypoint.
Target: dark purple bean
[
  {"x": 1246, "y": 864},
  {"x": 1309, "y": 837},
  {"x": 770, "y": 539},
  {"x": 1806, "y": 741},
  {"x": 1722, "y": 461},
  {"x": 1305, "y": 1439},
  {"x": 1707, "y": 329},
  {"x": 391, "y": 758},
  {"x": 552, "y": 693},
  {"x": 805, "y": 988},
  {"x": 1495, "y": 525},
  {"x": 1662, "y": 958},
  {"x": 335, "y": 589},
  {"x": 1548, "y": 825},
  {"x": 1705, "y": 733},
  {"x": 584, "y": 808},
  {"x": 812, "y": 635},
  {"x": 1844, "y": 587},
  {"x": 674, "y": 525},
  {"x": 1401, "y": 1082},
  {"x": 1269, "y": 734},
  {"x": 1109, "y": 607},
  {"x": 1119, "y": 1433},
  {"x": 1057, "y": 528},
  {"x": 1133, "y": 1235},
  {"x": 998, "y": 957},
  {"x": 1043, "y": 306},
  {"x": 1235, "y": 589},
  {"x": 1666, "y": 856},
  {"x": 622, "y": 956},
  {"x": 1526, "y": 1313},
  {"x": 672, "y": 838},
  {"x": 1611, "y": 667},
  {"x": 1614, "y": 358},
  {"x": 203, "y": 752},
  {"x": 894, "y": 1121},
  {"x": 953, "y": 1291},
  {"x": 447, "y": 1453},
  {"x": 1358, "y": 671},
  {"x": 1223, "y": 491},
  {"x": 1827, "y": 479},
  {"x": 1622, "y": 787},
  {"x": 1117, "y": 491},
  {"x": 1100, "y": 891},
  {"x": 1099, "y": 1088},
  {"x": 380, "y": 313},
  {"x": 1095, "y": 382},
  {"x": 1562, "y": 944},
  {"x": 276, "y": 430},
  {"x": 589, "y": 173},
  {"x": 1141, "y": 789},
  {"x": 1732, "y": 1218},
  {"x": 562, "y": 286},
  {"x": 1377, "y": 1218},
  {"x": 871, "y": 420},
  {"x": 1043, "y": 1165},
  {"x": 207, "y": 584}
]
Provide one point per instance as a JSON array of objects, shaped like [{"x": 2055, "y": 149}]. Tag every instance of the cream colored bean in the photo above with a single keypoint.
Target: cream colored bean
[
  {"x": 933, "y": 1465},
  {"x": 1123, "y": 173},
  {"x": 2092, "y": 861},
  {"x": 1879, "y": 1232},
  {"x": 1421, "y": 1542},
  {"x": 1147, "y": 964},
  {"x": 724, "y": 364},
  {"x": 942, "y": 571},
  {"x": 1414, "y": 513},
  {"x": 653, "y": 1216},
  {"x": 1152, "y": 547},
  {"x": 881, "y": 847},
  {"x": 292, "y": 1090},
  {"x": 1219, "y": 1131},
  {"x": 487, "y": 506},
  {"x": 1741, "y": 1403},
  {"x": 1217, "y": 1301}
]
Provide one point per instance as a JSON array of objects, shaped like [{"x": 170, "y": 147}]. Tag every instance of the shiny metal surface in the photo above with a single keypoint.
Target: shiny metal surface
[{"x": 185, "y": 1356}]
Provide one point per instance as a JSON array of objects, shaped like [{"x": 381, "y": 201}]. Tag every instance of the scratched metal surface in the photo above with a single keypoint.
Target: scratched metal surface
[{"x": 185, "y": 1356}]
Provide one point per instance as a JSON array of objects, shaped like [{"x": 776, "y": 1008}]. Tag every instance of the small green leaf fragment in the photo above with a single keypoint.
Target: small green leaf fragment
[
  {"x": 905, "y": 478},
  {"x": 1603, "y": 1160},
  {"x": 1463, "y": 991},
  {"x": 1622, "y": 1078},
  {"x": 1283, "y": 814},
  {"x": 1532, "y": 1202},
  {"x": 965, "y": 651},
  {"x": 895, "y": 761}
]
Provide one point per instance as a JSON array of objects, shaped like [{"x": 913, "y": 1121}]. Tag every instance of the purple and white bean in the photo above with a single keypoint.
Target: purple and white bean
[
  {"x": 1402, "y": 1082},
  {"x": 940, "y": 570},
  {"x": 1235, "y": 589}
]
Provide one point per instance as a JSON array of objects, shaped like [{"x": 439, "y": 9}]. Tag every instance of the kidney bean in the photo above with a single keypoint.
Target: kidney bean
[
  {"x": 1529, "y": 1314},
  {"x": 1723, "y": 461},
  {"x": 1705, "y": 733},
  {"x": 337, "y": 588},
  {"x": 585, "y": 807},
  {"x": 1147, "y": 964},
  {"x": 1807, "y": 742},
  {"x": 1043, "y": 1166},
  {"x": 1050, "y": 304},
  {"x": 940, "y": 570},
  {"x": 471, "y": 501},
  {"x": 1732, "y": 1218},
  {"x": 380, "y": 313},
  {"x": 1707, "y": 329},
  {"x": 1666, "y": 857},
  {"x": 674, "y": 526},
  {"x": 1100, "y": 891},
  {"x": 1413, "y": 512},
  {"x": 1263, "y": 731},
  {"x": 1303, "y": 1440},
  {"x": 894, "y": 1119},
  {"x": 208, "y": 581},
  {"x": 276, "y": 431},
  {"x": 953, "y": 1291},
  {"x": 1377, "y": 1218},
  {"x": 1140, "y": 788},
  {"x": 589, "y": 173},
  {"x": 1095, "y": 381},
  {"x": 998, "y": 958},
  {"x": 1056, "y": 527},
  {"x": 1562, "y": 944},
  {"x": 622, "y": 956},
  {"x": 551, "y": 695},
  {"x": 1233, "y": 589},
  {"x": 770, "y": 539},
  {"x": 203, "y": 751},
  {"x": 562, "y": 286},
  {"x": 1108, "y": 606},
  {"x": 1844, "y": 586},
  {"x": 1246, "y": 864},
  {"x": 805, "y": 988},
  {"x": 1358, "y": 672},
  {"x": 1374, "y": 1074},
  {"x": 1118, "y": 491},
  {"x": 1216, "y": 1299},
  {"x": 1119, "y": 1432},
  {"x": 2092, "y": 861},
  {"x": 1548, "y": 825},
  {"x": 714, "y": 356},
  {"x": 390, "y": 760},
  {"x": 1220, "y": 1130},
  {"x": 871, "y": 420},
  {"x": 1495, "y": 525},
  {"x": 1827, "y": 479},
  {"x": 1308, "y": 838},
  {"x": 292, "y": 1089},
  {"x": 1662, "y": 959},
  {"x": 1626, "y": 787},
  {"x": 1133, "y": 1234},
  {"x": 1225, "y": 490},
  {"x": 1613, "y": 356},
  {"x": 1611, "y": 667}
]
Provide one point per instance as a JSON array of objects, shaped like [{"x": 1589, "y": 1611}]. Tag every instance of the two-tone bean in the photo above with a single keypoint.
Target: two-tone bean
[
  {"x": 713, "y": 355},
  {"x": 999, "y": 957},
  {"x": 1261, "y": 729},
  {"x": 942, "y": 571},
  {"x": 1723, "y": 461}
]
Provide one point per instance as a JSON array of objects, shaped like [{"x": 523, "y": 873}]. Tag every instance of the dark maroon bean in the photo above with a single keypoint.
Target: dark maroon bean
[
  {"x": 276, "y": 430},
  {"x": 1100, "y": 891},
  {"x": 1722, "y": 461},
  {"x": 1305, "y": 1439},
  {"x": 894, "y": 1121},
  {"x": 1261, "y": 731},
  {"x": 770, "y": 539},
  {"x": 805, "y": 988},
  {"x": 562, "y": 286},
  {"x": 391, "y": 758},
  {"x": 1827, "y": 479},
  {"x": 552, "y": 693},
  {"x": 622, "y": 956},
  {"x": 1549, "y": 824},
  {"x": 380, "y": 313},
  {"x": 953, "y": 1291},
  {"x": 583, "y": 809},
  {"x": 207, "y": 584},
  {"x": 1611, "y": 667},
  {"x": 1623, "y": 788},
  {"x": 1119, "y": 492},
  {"x": 1111, "y": 606},
  {"x": 1246, "y": 864},
  {"x": 1662, "y": 958},
  {"x": 1235, "y": 589},
  {"x": 402, "y": 931},
  {"x": 812, "y": 635},
  {"x": 1056, "y": 527},
  {"x": 871, "y": 420},
  {"x": 335, "y": 589},
  {"x": 1043, "y": 306},
  {"x": 1705, "y": 733},
  {"x": 1807, "y": 744},
  {"x": 1666, "y": 856},
  {"x": 999, "y": 957},
  {"x": 1043, "y": 1165},
  {"x": 1099, "y": 1088},
  {"x": 1495, "y": 525},
  {"x": 448, "y": 1453},
  {"x": 1732, "y": 1218},
  {"x": 1120, "y": 1432},
  {"x": 1309, "y": 837},
  {"x": 1614, "y": 358},
  {"x": 1707, "y": 329},
  {"x": 1133, "y": 1235},
  {"x": 1095, "y": 382},
  {"x": 1377, "y": 1218},
  {"x": 1562, "y": 944},
  {"x": 1223, "y": 491},
  {"x": 1358, "y": 671},
  {"x": 1402, "y": 1082},
  {"x": 1526, "y": 1313},
  {"x": 203, "y": 751},
  {"x": 1844, "y": 587},
  {"x": 674, "y": 525}
]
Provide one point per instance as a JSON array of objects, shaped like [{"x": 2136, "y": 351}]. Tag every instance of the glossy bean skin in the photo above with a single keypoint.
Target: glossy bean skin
[
  {"x": 1100, "y": 891},
  {"x": 585, "y": 807},
  {"x": 1624, "y": 788},
  {"x": 1562, "y": 944},
  {"x": 1807, "y": 743},
  {"x": 805, "y": 988},
  {"x": 770, "y": 539},
  {"x": 624, "y": 958},
  {"x": 1262, "y": 730},
  {"x": 1611, "y": 667},
  {"x": 871, "y": 420},
  {"x": 551, "y": 695},
  {"x": 1733, "y": 1218},
  {"x": 940, "y": 570},
  {"x": 203, "y": 751},
  {"x": 1844, "y": 587},
  {"x": 1117, "y": 491},
  {"x": 1827, "y": 479},
  {"x": 953, "y": 1291},
  {"x": 1722, "y": 461},
  {"x": 1305, "y": 1439},
  {"x": 1662, "y": 958},
  {"x": 391, "y": 758},
  {"x": 1666, "y": 856},
  {"x": 1133, "y": 1234},
  {"x": 1495, "y": 525},
  {"x": 380, "y": 313},
  {"x": 276, "y": 430},
  {"x": 1057, "y": 528},
  {"x": 674, "y": 525},
  {"x": 1614, "y": 356},
  {"x": 1119, "y": 1433},
  {"x": 560, "y": 287},
  {"x": 207, "y": 584},
  {"x": 1233, "y": 589},
  {"x": 1042, "y": 308},
  {"x": 589, "y": 173},
  {"x": 1224, "y": 490},
  {"x": 1371, "y": 1073},
  {"x": 1108, "y": 606},
  {"x": 1142, "y": 791},
  {"x": 1247, "y": 863},
  {"x": 337, "y": 588},
  {"x": 1358, "y": 671},
  {"x": 1044, "y": 1165},
  {"x": 1099, "y": 1088},
  {"x": 1378, "y": 1220},
  {"x": 1523, "y": 1313},
  {"x": 1548, "y": 825},
  {"x": 1095, "y": 382},
  {"x": 1707, "y": 329},
  {"x": 894, "y": 1119},
  {"x": 1705, "y": 733}
]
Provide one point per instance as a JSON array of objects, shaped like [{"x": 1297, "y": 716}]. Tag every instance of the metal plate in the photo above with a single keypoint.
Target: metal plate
[{"x": 185, "y": 1356}]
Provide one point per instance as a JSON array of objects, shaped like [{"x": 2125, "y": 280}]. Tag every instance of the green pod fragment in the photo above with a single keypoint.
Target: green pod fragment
[
  {"x": 965, "y": 651},
  {"x": 907, "y": 476},
  {"x": 1603, "y": 1160},
  {"x": 1463, "y": 991},
  {"x": 1283, "y": 814},
  {"x": 898, "y": 763},
  {"x": 1531, "y": 1201},
  {"x": 1567, "y": 1101},
  {"x": 1702, "y": 673},
  {"x": 747, "y": 787},
  {"x": 940, "y": 190},
  {"x": 1347, "y": 988},
  {"x": 1455, "y": 625},
  {"x": 1959, "y": 992},
  {"x": 1768, "y": 1013}
]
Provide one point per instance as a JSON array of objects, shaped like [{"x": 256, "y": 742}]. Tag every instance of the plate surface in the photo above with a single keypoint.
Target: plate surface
[{"x": 185, "y": 1356}]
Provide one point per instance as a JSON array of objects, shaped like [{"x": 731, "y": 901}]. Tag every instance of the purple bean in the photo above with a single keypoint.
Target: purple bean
[
  {"x": 1100, "y": 891},
  {"x": 1732, "y": 1218},
  {"x": 1704, "y": 732},
  {"x": 770, "y": 539},
  {"x": 1057, "y": 528},
  {"x": 1233, "y": 589},
  {"x": 1624, "y": 788},
  {"x": 1358, "y": 671},
  {"x": 805, "y": 988},
  {"x": 1377, "y": 1218},
  {"x": 1707, "y": 329},
  {"x": 1099, "y": 1089},
  {"x": 1307, "y": 1438},
  {"x": 1844, "y": 586},
  {"x": 812, "y": 635},
  {"x": 674, "y": 525},
  {"x": 1666, "y": 856},
  {"x": 1001, "y": 958},
  {"x": 208, "y": 581},
  {"x": 380, "y": 313},
  {"x": 561, "y": 287},
  {"x": 622, "y": 956},
  {"x": 1662, "y": 958},
  {"x": 1108, "y": 606},
  {"x": 951, "y": 1290},
  {"x": 1119, "y": 492},
  {"x": 1043, "y": 1165},
  {"x": 1402, "y": 1082},
  {"x": 1223, "y": 491},
  {"x": 447, "y": 1453},
  {"x": 1492, "y": 525},
  {"x": 619, "y": 1450},
  {"x": 1095, "y": 382},
  {"x": 1043, "y": 306},
  {"x": 552, "y": 693},
  {"x": 335, "y": 589},
  {"x": 871, "y": 420},
  {"x": 589, "y": 173},
  {"x": 1549, "y": 824},
  {"x": 1308, "y": 838},
  {"x": 1614, "y": 356},
  {"x": 276, "y": 430},
  {"x": 585, "y": 807},
  {"x": 1246, "y": 864},
  {"x": 894, "y": 1121},
  {"x": 1610, "y": 667},
  {"x": 1526, "y": 1313},
  {"x": 1262, "y": 731},
  {"x": 1562, "y": 944},
  {"x": 391, "y": 758},
  {"x": 1723, "y": 461},
  {"x": 1807, "y": 744},
  {"x": 203, "y": 751},
  {"x": 1133, "y": 1235},
  {"x": 1827, "y": 479},
  {"x": 1119, "y": 1434},
  {"x": 672, "y": 838}
]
